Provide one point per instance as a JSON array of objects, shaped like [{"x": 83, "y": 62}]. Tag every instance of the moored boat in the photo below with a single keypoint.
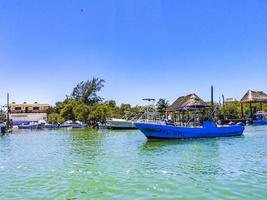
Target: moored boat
[
  {"x": 51, "y": 126},
  {"x": 31, "y": 125},
  {"x": 71, "y": 124},
  {"x": 115, "y": 123},
  {"x": 208, "y": 130},
  {"x": 260, "y": 118}
]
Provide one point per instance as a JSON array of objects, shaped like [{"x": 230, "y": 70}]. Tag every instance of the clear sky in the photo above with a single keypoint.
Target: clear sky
[{"x": 142, "y": 48}]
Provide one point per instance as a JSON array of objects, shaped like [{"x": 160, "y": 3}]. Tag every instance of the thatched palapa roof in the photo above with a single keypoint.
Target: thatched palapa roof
[
  {"x": 254, "y": 97},
  {"x": 191, "y": 100}
]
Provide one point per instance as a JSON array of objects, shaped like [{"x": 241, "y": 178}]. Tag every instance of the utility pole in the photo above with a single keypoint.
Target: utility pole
[
  {"x": 212, "y": 101},
  {"x": 223, "y": 107},
  {"x": 8, "y": 110}
]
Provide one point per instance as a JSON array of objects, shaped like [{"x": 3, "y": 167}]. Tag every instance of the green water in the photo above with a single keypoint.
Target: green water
[{"x": 104, "y": 164}]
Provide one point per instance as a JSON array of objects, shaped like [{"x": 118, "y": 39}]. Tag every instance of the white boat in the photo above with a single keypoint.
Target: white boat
[
  {"x": 71, "y": 124},
  {"x": 115, "y": 123}
]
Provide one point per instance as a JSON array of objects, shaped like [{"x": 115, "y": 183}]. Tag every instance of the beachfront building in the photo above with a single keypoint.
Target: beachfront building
[
  {"x": 27, "y": 112},
  {"x": 231, "y": 100}
]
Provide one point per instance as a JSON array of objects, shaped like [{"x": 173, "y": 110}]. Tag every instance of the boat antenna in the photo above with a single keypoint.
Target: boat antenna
[{"x": 8, "y": 110}]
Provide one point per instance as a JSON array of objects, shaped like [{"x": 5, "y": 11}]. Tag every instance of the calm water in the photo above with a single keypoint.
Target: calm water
[{"x": 103, "y": 164}]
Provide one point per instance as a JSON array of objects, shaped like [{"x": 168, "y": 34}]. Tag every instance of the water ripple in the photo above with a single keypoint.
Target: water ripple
[{"x": 106, "y": 164}]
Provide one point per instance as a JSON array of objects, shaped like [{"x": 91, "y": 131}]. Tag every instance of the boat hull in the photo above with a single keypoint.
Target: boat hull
[
  {"x": 35, "y": 126},
  {"x": 120, "y": 124},
  {"x": 51, "y": 126},
  {"x": 175, "y": 132},
  {"x": 260, "y": 122}
]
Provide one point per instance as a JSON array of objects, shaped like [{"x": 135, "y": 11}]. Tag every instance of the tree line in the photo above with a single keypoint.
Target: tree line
[{"x": 85, "y": 105}]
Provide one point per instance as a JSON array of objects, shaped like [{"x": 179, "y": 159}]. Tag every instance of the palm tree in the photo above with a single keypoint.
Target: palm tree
[
  {"x": 87, "y": 91},
  {"x": 161, "y": 106}
]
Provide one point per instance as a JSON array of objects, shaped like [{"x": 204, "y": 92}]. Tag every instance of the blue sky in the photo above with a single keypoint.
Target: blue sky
[{"x": 142, "y": 48}]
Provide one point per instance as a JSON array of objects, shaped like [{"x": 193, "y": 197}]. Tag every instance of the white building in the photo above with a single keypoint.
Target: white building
[{"x": 21, "y": 113}]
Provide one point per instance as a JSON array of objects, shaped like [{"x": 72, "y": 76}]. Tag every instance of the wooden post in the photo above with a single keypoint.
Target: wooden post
[
  {"x": 242, "y": 110},
  {"x": 223, "y": 107},
  {"x": 179, "y": 118},
  {"x": 8, "y": 111},
  {"x": 212, "y": 102},
  {"x": 251, "y": 112}
]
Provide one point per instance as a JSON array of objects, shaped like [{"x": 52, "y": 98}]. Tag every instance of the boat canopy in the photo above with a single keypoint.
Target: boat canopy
[
  {"x": 191, "y": 101},
  {"x": 191, "y": 107}
]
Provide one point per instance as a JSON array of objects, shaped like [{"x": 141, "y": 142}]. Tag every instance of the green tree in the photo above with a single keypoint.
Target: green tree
[
  {"x": 81, "y": 112},
  {"x": 87, "y": 91},
  {"x": 111, "y": 103},
  {"x": 99, "y": 113},
  {"x": 161, "y": 106},
  {"x": 67, "y": 110},
  {"x": 54, "y": 118},
  {"x": 123, "y": 108}
]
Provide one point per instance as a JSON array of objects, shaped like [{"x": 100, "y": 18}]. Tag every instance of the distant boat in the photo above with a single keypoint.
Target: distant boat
[
  {"x": 208, "y": 130},
  {"x": 51, "y": 126},
  {"x": 101, "y": 126},
  {"x": 30, "y": 125},
  {"x": 260, "y": 118},
  {"x": 115, "y": 123},
  {"x": 71, "y": 124}
]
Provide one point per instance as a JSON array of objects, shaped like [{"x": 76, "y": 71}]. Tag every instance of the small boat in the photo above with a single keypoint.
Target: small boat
[
  {"x": 71, "y": 124},
  {"x": 30, "y": 125},
  {"x": 101, "y": 126},
  {"x": 208, "y": 130},
  {"x": 115, "y": 123},
  {"x": 51, "y": 126},
  {"x": 260, "y": 118}
]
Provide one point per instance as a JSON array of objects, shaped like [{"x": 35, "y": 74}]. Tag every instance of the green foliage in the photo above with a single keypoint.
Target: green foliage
[
  {"x": 67, "y": 111},
  {"x": 124, "y": 108},
  {"x": 161, "y": 106},
  {"x": 87, "y": 91},
  {"x": 81, "y": 112},
  {"x": 234, "y": 111},
  {"x": 55, "y": 118},
  {"x": 111, "y": 103},
  {"x": 71, "y": 109},
  {"x": 99, "y": 113}
]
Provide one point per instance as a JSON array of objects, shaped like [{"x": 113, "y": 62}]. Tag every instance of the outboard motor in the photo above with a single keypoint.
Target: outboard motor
[
  {"x": 240, "y": 124},
  {"x": 3, "y": 130},
  {"x": 231, "y": 123}
]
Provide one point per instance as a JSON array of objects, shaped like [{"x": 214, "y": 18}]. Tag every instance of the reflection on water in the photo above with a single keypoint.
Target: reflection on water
[
  {"x": 187, "y": 156},
  {"x": 106, "y": 164}
]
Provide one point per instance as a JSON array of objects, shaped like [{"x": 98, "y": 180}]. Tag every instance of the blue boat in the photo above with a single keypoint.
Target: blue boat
[
  {"x": 51, "y": 126},
  {"x": 208, "y": 130},
  {"x": 259, "y": 122},
  {"x": 260, "y": 118},
  {"x": 29, "y": 126}
]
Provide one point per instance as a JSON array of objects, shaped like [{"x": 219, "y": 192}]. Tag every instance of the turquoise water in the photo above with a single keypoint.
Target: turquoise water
[{"x": 104, "y": 164}]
